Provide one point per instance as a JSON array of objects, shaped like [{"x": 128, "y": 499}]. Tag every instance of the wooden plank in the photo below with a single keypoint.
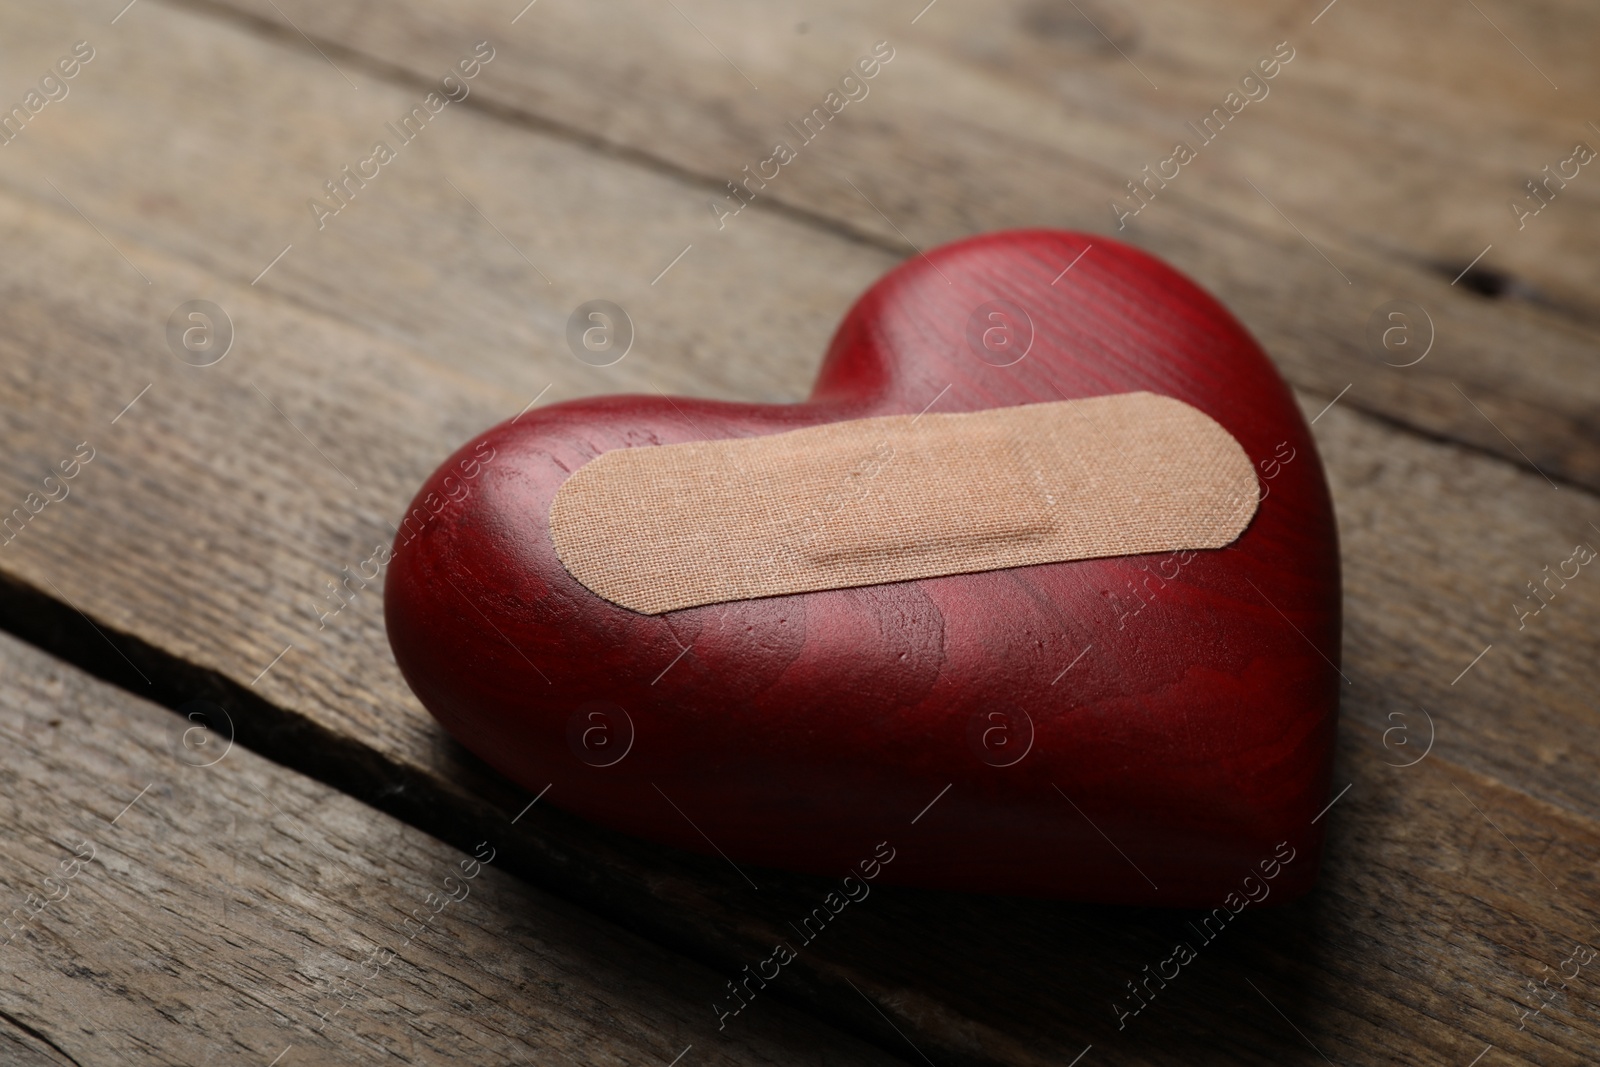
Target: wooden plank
[
  {"x": 206, "y": 522},
  {"x": 1373, "y": 170},
  {"x": 1416, "y": 948},
  {"x": 173, "y": 903},
  {"x": 25, "y": 1048},
  {"x": 475, "y": 213}
]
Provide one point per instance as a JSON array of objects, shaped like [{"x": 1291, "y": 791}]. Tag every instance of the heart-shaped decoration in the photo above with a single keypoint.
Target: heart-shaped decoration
[{"x": 1150, "y": 728}]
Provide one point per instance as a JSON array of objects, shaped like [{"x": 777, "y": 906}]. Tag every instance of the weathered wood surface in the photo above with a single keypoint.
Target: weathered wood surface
[
  {"x": 171, "y": 899},
  {"x": 1395, "y": 140},
  {"x": 206, "y": 524}
]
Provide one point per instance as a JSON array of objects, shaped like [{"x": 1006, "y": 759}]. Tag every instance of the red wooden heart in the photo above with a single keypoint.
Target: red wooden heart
[{"x": 1170, "y": 717}]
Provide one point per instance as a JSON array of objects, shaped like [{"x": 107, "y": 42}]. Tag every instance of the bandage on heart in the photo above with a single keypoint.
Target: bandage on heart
[{"x": 895, "y": 498}]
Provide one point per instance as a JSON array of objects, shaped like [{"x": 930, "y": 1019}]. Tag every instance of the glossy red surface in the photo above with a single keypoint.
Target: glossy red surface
[{"x": 1181, "y": 707}]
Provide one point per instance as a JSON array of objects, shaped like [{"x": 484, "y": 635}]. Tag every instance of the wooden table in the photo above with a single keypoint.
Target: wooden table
[{"x": 252, "y": 903}]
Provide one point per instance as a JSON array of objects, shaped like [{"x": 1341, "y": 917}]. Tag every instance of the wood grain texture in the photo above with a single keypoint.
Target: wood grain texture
[
  {"x": 455, "y": 275},
  {"x": 169, "y": 903},
  {"x": 207, "y": 522},
  {"x": 22, "y": 1045},
  {"x": 1375, "y": 168}
]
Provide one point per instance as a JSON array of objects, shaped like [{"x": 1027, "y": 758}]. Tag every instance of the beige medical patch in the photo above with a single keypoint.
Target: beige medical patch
[{"x": 900, "y": 497}]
